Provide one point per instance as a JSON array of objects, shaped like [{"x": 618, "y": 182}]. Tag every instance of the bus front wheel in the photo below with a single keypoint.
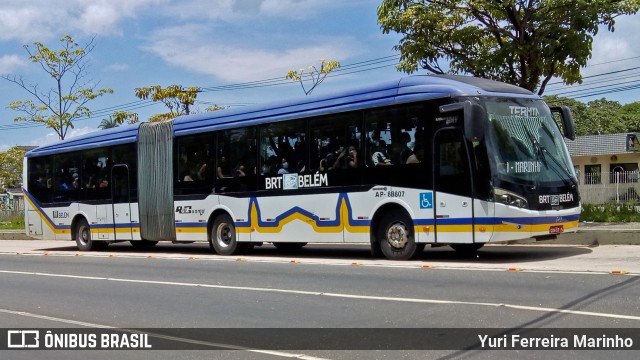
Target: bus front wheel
[
  {"x": 223, "y": 236},
  {"x": 395, "y": 236}
]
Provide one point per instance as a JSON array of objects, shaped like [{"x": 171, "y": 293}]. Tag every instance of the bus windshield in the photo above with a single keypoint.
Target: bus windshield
[{"x": 526, "y": 143}]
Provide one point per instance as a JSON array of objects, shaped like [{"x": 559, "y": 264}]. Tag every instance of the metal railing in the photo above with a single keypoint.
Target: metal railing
[{"x": 606, "y": 187}]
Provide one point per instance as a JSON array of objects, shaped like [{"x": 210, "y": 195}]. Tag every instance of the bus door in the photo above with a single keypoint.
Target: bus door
[
  {"x": 452, "y": 187},
  {"x": 121, "y": 204}
]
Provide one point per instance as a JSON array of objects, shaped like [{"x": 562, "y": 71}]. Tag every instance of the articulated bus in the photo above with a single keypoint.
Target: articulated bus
[{"x": 439, "y": 160}]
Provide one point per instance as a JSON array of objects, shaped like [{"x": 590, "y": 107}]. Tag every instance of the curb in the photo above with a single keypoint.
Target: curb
[{"x": 592, "y": 235}]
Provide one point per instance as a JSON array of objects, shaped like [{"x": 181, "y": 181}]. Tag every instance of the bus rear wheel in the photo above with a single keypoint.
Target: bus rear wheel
[
  {"x": 83, "y": 237},
  {"x": 395, "y": 235},
  {"x": 222, "y": 239}
]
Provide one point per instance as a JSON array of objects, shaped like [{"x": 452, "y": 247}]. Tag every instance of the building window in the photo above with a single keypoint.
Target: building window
[
  {"x": 592, "y": 174},
  {"x": 623, "y": 173}
]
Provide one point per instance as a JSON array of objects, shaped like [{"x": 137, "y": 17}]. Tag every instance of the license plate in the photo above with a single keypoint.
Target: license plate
[{"x": 556, "y": 229}]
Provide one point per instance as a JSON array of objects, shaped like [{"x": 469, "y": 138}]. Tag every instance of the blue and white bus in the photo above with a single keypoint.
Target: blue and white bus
[{"x": 440, "y": 160}]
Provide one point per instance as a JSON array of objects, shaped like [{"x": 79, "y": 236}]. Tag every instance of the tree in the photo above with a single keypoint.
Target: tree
[
  {"x": 600, "y": 116},
  {"x": 118, "y": 118},
  {"x": 65, "y": 102},
  {"x": 176, "y": 98},
  {"x": 314, "y": 73},
  {"x": 579, "y": 111},
  {"x": 631, "y": 116},
  {"x": 515, "y": 41},
  {"x": 605, "y": 117},
  {"x": 11, "y": 167}
]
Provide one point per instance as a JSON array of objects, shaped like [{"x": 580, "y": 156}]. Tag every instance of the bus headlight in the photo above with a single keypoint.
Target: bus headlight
[{"x": 509, "y": 198}]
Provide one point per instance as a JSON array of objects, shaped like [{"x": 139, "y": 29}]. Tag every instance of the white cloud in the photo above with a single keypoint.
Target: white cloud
[
  {"x": 118, "y": 67},
  {"x": 231, "y": 10},
  {"x": 28, "y": 21},
  {"x": 8, "y": 63},
  {"x": 611, "y": 47},
  {"x": 228, "y": 61}
]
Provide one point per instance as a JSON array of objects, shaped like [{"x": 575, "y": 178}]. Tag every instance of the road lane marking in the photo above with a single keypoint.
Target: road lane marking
[
  {"x": 331, "y": 262},
  {"x": 335, "y": 295},
  {"x": 161, "y": 336}
]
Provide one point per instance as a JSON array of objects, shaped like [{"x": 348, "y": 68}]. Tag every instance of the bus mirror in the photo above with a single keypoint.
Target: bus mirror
[
  {"x": 568, "y": 125},
  {"x": 473, "y": 118}
]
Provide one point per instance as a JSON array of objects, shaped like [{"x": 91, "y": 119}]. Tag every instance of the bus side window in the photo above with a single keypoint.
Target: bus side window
[
  {"x": 41, "y": 181},
  {"x": 336, "y": 147},
  {"x": 283, "y": 149},
  {"x": 396, "y": 146},
  {"x": 193, "y": 164},
  {"x": 236, "y": 165}
]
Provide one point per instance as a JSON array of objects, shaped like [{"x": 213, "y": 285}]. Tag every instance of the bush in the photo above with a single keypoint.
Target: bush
[
  {"x": 610, "y": 212},
  {"x": 12, "y": 221}
]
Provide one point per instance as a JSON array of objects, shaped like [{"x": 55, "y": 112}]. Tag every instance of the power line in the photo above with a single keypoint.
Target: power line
[
  {"x": 374, "y": 64},
  {"x": 343, "y": 70},
  {"x": 348, "y": 69}
]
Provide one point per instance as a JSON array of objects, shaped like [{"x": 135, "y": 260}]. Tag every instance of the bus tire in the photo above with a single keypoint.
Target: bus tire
[
  {"x": 376, "y": 252},
  {"x": 83, "y": 237},
  {"x": 395, "y": 235},
  {"x": 141, "y": 244},
  {"x": 289, "y": 246},
  {"x": 222, "y": 239},
  {"x": 467, "y": 248}
]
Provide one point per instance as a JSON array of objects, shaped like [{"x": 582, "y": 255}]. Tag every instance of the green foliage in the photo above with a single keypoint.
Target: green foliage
[
  {"x": 604, "y": 117},
  {"x": 66, "y": 101},
  {"x": 316, "y": 74},
  {"x": 11, "y": 168},
  {"x": 516, "y": 41},
  {"x": 600, "y": 116},
  {"x": 214, "y": 108},
  {"x": 118, "y": 118},
  {"x": 630, "y": 114},
  {"x": 610, "y": 212},
  {"x": 175, "y": 97}
]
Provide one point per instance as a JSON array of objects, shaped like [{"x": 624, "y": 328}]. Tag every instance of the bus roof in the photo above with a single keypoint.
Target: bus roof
[
  {"x": 114, "y": 136},
  {"x": 407, "y": 89}
]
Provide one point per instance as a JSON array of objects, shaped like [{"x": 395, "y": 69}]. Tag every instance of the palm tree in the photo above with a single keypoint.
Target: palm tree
[
  {"x": 109, "y": 123},
  {"x": 118, "y": 118}
]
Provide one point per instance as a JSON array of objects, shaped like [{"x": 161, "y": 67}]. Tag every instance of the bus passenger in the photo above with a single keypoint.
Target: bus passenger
[
  {"x": 416, "y": 157},
  {"x": 351, "y": 160},
  {"x": 223, "y": 168},
  {"x": 240, "y": 171},
  {"x": 104, "y": 183},
  {"x": 284, "y": 167},
  {"x": 379, "y": 157}
]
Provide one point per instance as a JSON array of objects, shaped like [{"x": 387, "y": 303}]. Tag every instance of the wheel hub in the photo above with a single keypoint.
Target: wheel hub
[
  {"x": 397, "y": 235},
  {"x": 224, "y": 235}
]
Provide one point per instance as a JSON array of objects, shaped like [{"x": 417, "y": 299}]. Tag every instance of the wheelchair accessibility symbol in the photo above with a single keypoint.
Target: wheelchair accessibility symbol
[{"x": 426, "y": 200}]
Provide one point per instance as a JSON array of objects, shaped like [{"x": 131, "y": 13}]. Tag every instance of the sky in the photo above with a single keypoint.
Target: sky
[{"x": 222, "y": 45}]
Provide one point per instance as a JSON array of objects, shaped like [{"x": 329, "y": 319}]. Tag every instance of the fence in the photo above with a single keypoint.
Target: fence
[{"x": 606, "y": 187}]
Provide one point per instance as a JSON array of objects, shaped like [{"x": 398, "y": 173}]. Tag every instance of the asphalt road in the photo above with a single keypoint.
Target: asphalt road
[{"x": 183, "y": 286}]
